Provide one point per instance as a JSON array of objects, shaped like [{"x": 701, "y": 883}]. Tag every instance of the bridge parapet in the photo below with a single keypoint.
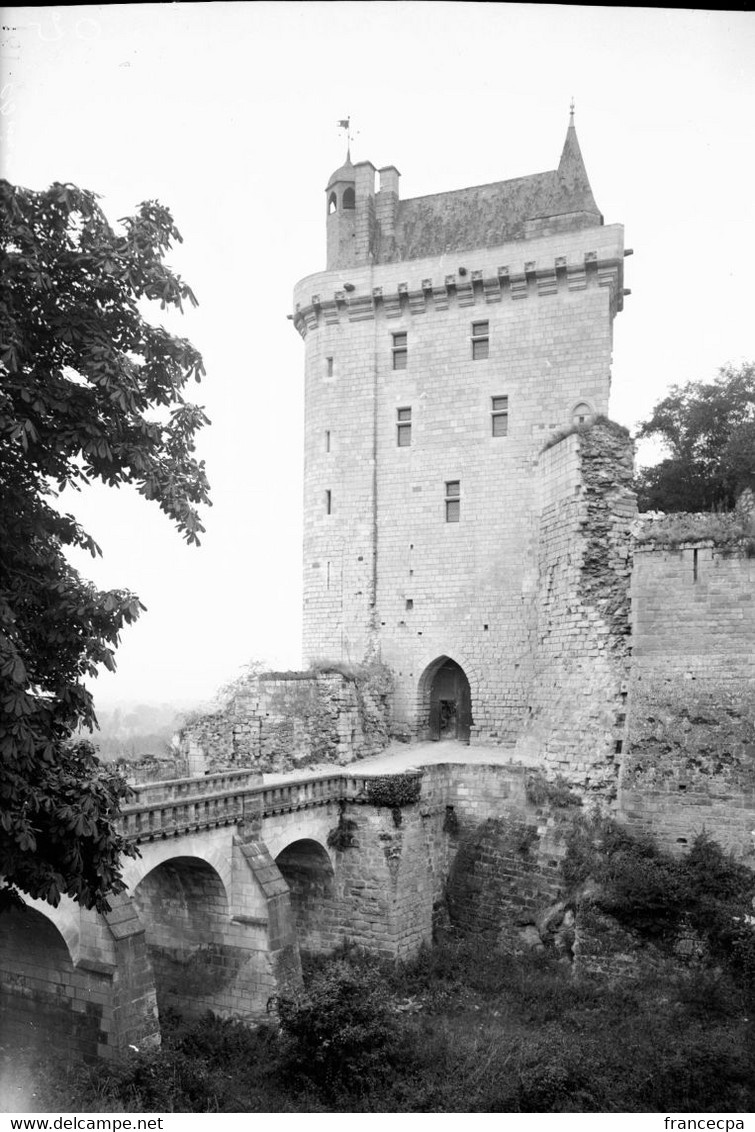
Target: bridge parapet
[{"x": 167, "y": 809}]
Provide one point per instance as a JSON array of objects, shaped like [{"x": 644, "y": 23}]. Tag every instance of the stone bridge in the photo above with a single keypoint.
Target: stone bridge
[{"x": 233, "y": 877}]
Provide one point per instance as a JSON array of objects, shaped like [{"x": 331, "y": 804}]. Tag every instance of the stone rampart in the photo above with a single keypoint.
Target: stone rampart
[{"x": 691, "y": 763}]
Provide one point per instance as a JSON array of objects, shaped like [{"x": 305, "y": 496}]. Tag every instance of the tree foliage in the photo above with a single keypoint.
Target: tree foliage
[
  {"x": 89, "y": 390},
  {"x": 709, "y": 430}
]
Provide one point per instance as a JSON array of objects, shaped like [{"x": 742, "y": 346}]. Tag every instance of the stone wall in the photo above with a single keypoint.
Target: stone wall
[
  {"x": 691, "y": 763},
  {"x": 579, "y": 633},
  {"x": 278, "y": 722}
]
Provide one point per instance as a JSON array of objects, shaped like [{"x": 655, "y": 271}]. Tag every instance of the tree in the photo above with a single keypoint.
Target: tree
[
  {"x": 709, "y": 429},
  {"x": 89, "y": 390}
]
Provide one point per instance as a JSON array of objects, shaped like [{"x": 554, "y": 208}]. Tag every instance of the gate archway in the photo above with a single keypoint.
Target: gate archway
[{"x": 446, "y": 700}]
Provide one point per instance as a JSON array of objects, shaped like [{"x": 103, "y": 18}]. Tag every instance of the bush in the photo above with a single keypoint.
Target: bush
[
  {"x": 339, "y": 1032},
  {"x": 656, "y": 894}
]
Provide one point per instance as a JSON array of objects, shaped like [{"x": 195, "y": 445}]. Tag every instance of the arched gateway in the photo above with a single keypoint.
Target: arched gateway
[{"x": 445, "y": 700}]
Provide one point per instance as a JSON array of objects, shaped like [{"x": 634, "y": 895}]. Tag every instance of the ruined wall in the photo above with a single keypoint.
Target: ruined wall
[
  {"x": 579, "y": 622},
  {"x": 278, "y": 722},
  {"x": 691, "y": 761}
]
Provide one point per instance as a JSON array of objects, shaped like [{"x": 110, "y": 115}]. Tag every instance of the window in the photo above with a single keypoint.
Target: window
[
  {"x": 332, "y": 203},
  {"x": 327, "y": 440},
  {"x": 349, "y": 200},
  {"x": 328, "y": 367},
  {"x": 499, "y": 415},
  {"x": 400, "y": 350},
  {"x": 328, "y": 502},
  {"x": 581, "y": 413},
  {"x": 403, "y": 427},
  {"x": 453, "y": 500},
  {"x": 480, "y": 340}
]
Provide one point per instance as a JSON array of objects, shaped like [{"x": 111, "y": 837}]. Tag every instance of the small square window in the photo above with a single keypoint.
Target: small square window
[
  {"x": 480, "y": 340},
  {"x": 453, "y": 501},
  {"x": 499, "y": 415},
  {"x": 403, "y": 427},
  {"x": 400, "y": 350}
]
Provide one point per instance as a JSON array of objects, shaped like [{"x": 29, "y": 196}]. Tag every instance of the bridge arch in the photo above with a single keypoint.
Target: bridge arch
[
  {"x": 183, "y": 905},
  {"x": 36, "y": 993},
  {"x": 306, "y": 867},
  {"x": 444, "y": 700},
  {"x": 211, "y": 847}
]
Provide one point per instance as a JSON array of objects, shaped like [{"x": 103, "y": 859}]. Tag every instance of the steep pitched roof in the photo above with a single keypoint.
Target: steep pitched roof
[{"x": 487, "y": 215}]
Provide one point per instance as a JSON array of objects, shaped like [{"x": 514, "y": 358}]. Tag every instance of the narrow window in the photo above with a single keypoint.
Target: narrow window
[
  {"x": 453, "y": 500},
  {"x": 480, "y": 340},
  {"x": 328, "y": 367},
  {"x": 499, "y": 416},
  {"x": 400, "y": 350},
  {"x": 403, "y": 427},
  {"x": 328, "y": 502},
  {"x": 327, "y": 440},
  {"x": 332, "y": 203},
  {"x": 694, "y": 565}
]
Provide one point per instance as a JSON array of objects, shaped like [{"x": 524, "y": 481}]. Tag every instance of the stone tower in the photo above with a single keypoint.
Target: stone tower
[{"x": 447, "y": 339}]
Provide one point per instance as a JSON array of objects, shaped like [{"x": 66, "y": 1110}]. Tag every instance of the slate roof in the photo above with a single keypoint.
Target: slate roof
[{"x": 487, "y": 215}]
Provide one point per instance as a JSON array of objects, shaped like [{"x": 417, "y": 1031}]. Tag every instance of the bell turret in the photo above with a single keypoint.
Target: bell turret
[{"x": 350, "y": 196}]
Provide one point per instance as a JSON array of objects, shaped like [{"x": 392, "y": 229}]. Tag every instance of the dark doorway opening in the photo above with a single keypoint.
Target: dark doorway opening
[{"x": 450, "y": 703}]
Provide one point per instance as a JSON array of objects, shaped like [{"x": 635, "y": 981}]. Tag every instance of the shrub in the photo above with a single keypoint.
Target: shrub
[
  {"x": 339, "y": 1032},
  {"x": 395, "y": 791},
  {"x": 555, "y": 792}
]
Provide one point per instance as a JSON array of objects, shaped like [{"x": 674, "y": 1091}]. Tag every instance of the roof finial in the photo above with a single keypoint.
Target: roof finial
[{"x": 571, "y": 111}]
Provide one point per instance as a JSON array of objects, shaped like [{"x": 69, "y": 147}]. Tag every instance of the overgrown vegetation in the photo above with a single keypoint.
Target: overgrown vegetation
[
  {"x": 461, "y": 1028},
  {"x": 394, "y": 792},
  {"x": 555, "y": 792},
  {"x": 341, "y": 837},
  {"x": 723, "y": 529},
  {"x": 658, "y": 895}
]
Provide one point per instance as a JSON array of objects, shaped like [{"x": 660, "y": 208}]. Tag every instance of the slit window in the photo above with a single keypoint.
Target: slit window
[
  {"x": 328, "y": 502},
  {"x": 453, "y": 500},
  {"x": 480, "y": 340},
  {"x": 327, "y": 440},
  {"x": 328, "y": 367},
  {"x": 403, "y": 427},
  {"x": 400, "y": 350},
  {"x": 499, "y": 416}
]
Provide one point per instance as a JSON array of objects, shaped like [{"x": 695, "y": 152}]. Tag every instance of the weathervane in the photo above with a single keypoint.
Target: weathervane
[{"x": 345, "y": 125}]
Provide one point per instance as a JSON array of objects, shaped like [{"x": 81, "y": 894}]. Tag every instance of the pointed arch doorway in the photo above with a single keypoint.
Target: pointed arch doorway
[{"x": 447, "y": 700}]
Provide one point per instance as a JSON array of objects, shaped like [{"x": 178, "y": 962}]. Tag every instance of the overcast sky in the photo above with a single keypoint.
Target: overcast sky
[{"x": 227, "y": 113}]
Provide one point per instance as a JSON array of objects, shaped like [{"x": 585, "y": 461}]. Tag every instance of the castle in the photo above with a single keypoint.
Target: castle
[
  {"x": 446, "y": 341},
  {"x": 470, "y": 522}
]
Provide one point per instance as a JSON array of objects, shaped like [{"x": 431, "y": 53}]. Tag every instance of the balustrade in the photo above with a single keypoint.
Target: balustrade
[{"x": 166, "y": 809}]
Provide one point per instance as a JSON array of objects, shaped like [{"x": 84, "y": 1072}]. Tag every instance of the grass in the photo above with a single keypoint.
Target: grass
[{"x": 462, "y": 1028}]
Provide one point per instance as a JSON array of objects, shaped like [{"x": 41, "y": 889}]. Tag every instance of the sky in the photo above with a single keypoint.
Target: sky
[{"x": 227, "y": 113}]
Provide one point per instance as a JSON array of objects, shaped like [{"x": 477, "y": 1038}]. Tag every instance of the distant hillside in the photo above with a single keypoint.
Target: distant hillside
[{"x": 130, "y": 730}]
